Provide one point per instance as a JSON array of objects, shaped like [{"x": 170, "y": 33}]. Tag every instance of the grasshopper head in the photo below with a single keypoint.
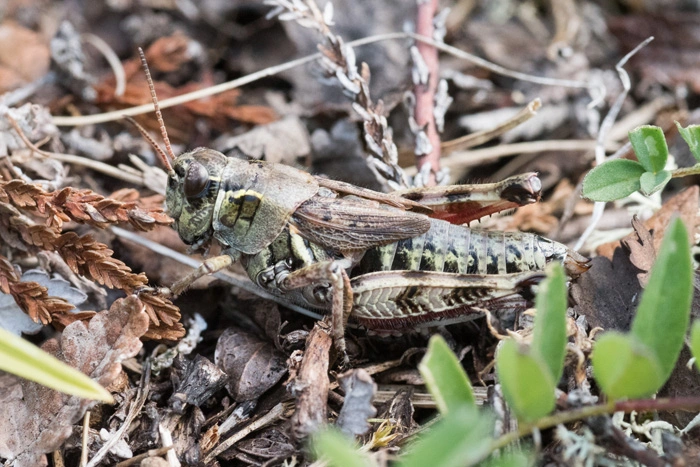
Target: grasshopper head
[{"x": 193, "y": 185}]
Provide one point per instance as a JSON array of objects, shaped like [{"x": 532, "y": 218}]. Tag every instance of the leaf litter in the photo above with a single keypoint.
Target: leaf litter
[{"x": 252, "y": 386}]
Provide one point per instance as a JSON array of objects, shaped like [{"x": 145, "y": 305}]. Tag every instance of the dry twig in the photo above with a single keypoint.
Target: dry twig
[{"x": 338, "y": 61}]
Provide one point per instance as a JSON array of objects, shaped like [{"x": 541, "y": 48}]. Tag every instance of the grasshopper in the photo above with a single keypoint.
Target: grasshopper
[{"x": 393, "y": 262}]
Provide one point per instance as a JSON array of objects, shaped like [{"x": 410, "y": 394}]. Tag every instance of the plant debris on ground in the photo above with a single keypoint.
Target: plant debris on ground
[{"x": 226, "y": 374}]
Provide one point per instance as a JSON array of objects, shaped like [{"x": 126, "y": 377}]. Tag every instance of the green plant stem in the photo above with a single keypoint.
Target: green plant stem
[
  {"x": 640, "y": 405},
  {"x": 686, "y": 171}
]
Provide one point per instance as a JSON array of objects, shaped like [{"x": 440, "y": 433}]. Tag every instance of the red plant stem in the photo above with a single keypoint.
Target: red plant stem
[{"x": 425, "y": 95}]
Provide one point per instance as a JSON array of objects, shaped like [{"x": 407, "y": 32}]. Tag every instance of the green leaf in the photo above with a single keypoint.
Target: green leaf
[
  {"x": 445, "y": 377},
  {"x": 511, "y": 459},
  {"x": 612, "y": 180},
  {"x": 650, "y": 183},
  {"x": 649, "y": 144},
  {"x": 526, "y": 381},
  {"x": 337, "y": 450},
  {"x": 625, "y": 368},
  {"x": 662, "y": 317},
  {"x": 695, "y": 343},
  {"x": 549, "y": 338},
  {"x": 22, "y": 358},
  {"x": 691, "y": 135},
  {"x": 461, "y": 438}
]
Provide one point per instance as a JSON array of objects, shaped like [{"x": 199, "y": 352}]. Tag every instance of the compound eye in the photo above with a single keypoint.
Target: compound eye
[{"x": 196, "y": 181}]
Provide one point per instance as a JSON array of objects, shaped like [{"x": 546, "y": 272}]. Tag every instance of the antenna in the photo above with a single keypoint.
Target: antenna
[
  {"x": 159, "y": 116},
  {"x": 152, "y": 142}
]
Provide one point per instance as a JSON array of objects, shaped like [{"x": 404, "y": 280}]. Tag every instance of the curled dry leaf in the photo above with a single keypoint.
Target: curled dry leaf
[
  {"x": 38, "y": 419},
  {"x": 253, "y": 366},
  {"x": 311, "y": 384},
  {"x": 270, "y": 444},
  {"x": 357, "y": 407}
]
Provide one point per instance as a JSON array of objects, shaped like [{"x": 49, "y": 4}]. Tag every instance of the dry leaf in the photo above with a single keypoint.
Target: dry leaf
[
  {"x": 38, "y": 420},
  {"x": 253, "y": 366},
  {"x": 642, "y": 253},
  {"x": 357, "y": 407},
  {"x": 684, "y": 204},
  {"x": 24, "y": 56},
  {"x": 607, "y": 294}
]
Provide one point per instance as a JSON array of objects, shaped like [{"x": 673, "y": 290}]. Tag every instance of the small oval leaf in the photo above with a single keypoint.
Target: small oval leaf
[
  {"x": 650, "y": 183},
  {"x": 625, "y": 368},
  {"x": 445, "y": 377},
  {"x": 526, "y": 381},
  {"x": 691, "y": 135},
  {"x": 612, "y": 180},
  {"x": 649, "y": 144}
]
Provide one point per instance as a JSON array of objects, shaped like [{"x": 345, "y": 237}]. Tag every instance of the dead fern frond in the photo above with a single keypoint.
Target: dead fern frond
[
  {"x": 31, "y": 297},
  {"x": 84, "y": 206},
  {"x": 94, "y": 260},
  {"x": 164, "y": 316}
]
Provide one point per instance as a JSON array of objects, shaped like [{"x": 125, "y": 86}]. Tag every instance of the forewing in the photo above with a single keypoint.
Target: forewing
[{"x": 347, "y": 224}]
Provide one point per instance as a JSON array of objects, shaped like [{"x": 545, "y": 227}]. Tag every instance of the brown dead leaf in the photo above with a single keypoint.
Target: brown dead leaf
[
  {"x": 253, "y": 366},
  {"x": 166, "y": 55},
  {"x": 24, "y": 56},
  {"x": 39, "y": 419},
  {"x": 642, "y": 253},
  {"x": 607, "y": 294},
  {"x": 311, "y": 383},
  {"x": 684, "y": 204}
]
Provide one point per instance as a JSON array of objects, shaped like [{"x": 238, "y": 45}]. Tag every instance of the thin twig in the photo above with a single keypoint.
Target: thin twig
[
  {"x": 481, "y": 137},
  {"x": 425, "y": 92},
  {"x": 136, "y": 406},
  {"x": 605, "y": 126},
  {"x": 77, "y": 160},
  {"x": 84, "y": 440},
  {"x": 274, "y": 70},
  {"x": 644, "y": 405},
  {"x": 276, "y": 413},
  {"x": 112, "y": 59},
  {"x": 478, "y": 156}
]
